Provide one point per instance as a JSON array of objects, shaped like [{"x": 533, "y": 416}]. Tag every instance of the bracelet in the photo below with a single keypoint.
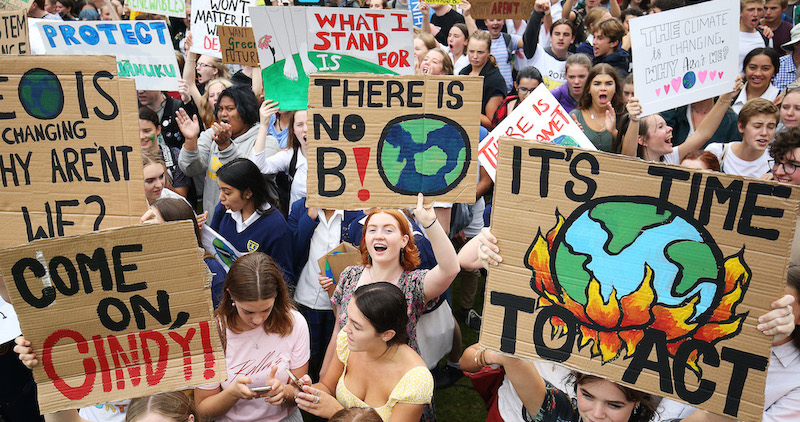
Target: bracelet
[
  {"x": 432, "y": 223},
  {"x": 483, "y": 358}
]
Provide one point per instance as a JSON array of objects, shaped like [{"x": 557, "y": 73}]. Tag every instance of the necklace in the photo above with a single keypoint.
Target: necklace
[
  {"x": 369, "y": 269},
  {"x": 601, "y": 124}
]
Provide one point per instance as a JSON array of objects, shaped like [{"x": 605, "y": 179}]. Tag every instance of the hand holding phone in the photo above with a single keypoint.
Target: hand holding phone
[{"x": 261, "y": 389}]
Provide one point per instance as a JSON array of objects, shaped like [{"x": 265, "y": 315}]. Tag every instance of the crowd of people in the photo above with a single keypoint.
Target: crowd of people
[{"x": 367, "y": 347}]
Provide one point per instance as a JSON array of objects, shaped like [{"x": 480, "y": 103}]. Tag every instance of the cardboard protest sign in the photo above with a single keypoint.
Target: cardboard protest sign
[
  {"x": 327, "y": 39},
  {"x": 336, "y": 260},
  {"x": 237, "y": 45},
  {"x": 14, "y": 32},
  {"x": 143, "y": 48},
  {"x": 208, "y": 14},
  {"x": 108, "y": 321},
  {"x": 685, "y": 55},
  {"x": 647, "y": 274},
  {"x": 14, "y": 4},
  {"x": 174, "y": 8},
  {"x": 379, "y": 140},
  {"x": 539, "y": 117},
  {"x": 63, "y": 173},
  {"x": 501, "y": 9},
  {"x": 453, "y": 2}
]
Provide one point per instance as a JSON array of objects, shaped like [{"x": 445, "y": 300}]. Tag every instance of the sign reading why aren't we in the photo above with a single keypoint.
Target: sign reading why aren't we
[
  {"x": 64, "y": 173},
  {"x": 106, "y": 318},
  {"x": 143, "y": 48},
  {"x": 685, "y": 55},
  {"x": 647, "y": 274},
  {"x": 379, "y": 140}
]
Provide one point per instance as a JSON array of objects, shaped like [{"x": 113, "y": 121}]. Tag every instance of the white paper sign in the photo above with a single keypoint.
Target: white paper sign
[
  {"x": 207, "y": 14},
  {"x": 143, "y": 49},
  {"x": 176, "y": 8},
  {"x": 685, "y": 55},
  {"x": 9, "y": 323},
  {"x": 327, "y": 39},
  {"x": 539, "y": 117}
]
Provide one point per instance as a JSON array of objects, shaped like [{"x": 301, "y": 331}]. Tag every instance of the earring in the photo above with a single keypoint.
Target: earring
[{"x": 402, "y": 251}]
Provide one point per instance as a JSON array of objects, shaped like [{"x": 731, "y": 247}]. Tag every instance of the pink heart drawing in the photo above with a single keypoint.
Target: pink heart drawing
[
  {"x": 658, "y": 92},
  {"x": 713, "y": 74},
  {"x": 666, "y": 89},
  {"x": 702, "y": 75},
  {"x": 719, "y": 74},
  {"x": 676, "y": 83}
]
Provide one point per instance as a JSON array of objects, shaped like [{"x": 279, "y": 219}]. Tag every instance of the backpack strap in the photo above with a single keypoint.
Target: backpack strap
[
  {"x": 512, "y": 49},
  {"x": 293, "y": 163}
]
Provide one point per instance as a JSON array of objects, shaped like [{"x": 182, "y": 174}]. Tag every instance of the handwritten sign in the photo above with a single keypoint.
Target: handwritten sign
[
  {"x": 379, "y": 140},
  {"x": 539, "y": 117},
  {"x": 9, "y": 323},
  {"x": 208, "y": 14},
  {"x": 325, "y": 39},
  {"x": 502, "y": 9},
  {"x": 174, "y": 8},
  {"x": 14, "y": 4},
  {"x": 416, "y": 14},
  {"x": 238, "y": 45},
  {"x": 685, "y": 55},
  {"x": 62, "y": 172},
  {"x": 143, "y": 49},
  {"x": 107, "y": 320},
  {"x": 14, "y": 32},
  {"x": 638, "y": 272}
]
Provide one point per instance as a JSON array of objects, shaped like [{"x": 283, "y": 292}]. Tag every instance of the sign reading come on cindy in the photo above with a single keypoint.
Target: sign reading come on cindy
[
  {"x": 685, "y": 55},
  {"x": 379, "y": 140},
  {"x": 636, "y": 271},
  {"x": 106, "y": 320}
]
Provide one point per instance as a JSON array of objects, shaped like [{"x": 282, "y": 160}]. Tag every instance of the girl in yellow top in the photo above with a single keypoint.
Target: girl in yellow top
[{"x": 375, "y": 366}]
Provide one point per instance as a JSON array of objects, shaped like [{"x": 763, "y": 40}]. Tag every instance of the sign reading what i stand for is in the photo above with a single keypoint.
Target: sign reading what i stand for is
[
  {"x": 63, "y": 174},
  {"x": 107, "y": 321},
  {"x": 294, "y": 42},
  {"x": 379, "y": 140},
  {"x": 143, "y": 49},
  {"x": 650, "y": 275},
  {"x": 685, "y": 55}
]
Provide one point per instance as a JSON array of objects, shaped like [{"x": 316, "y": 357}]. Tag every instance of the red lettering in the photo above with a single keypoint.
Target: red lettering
[
  {"x": 135, "y": 372},
  {"x": 362, "y": 22},
  {"x": 375, "y": 18},
  {"x": 117, "y": 353},
  {"x": 541, "y": 103},
  {"x": 187, "y": 353},
  {"x": 400, "y": 26},
  {"x": 89, "y": 368},
  {"x": 208, "y": 352},
  {"x": 524, "y": 128},
  {"x": 382, "y": 40},
  {"x": 329, "y": 20},
  {"x": 346, "y": 20},
  {"x": 366, "y": 42},
  {"x": 154, "y": 376},
  {"x": 105, "y": 371},
  {"x": 404, "y": 59},
  {"x": 325, "y": 43}
]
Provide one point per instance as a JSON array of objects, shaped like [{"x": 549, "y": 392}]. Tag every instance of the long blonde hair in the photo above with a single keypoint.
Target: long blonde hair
[{"x": 205, "y": 110}]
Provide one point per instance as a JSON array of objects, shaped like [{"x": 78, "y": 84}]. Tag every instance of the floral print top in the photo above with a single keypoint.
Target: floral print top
[{"x": 410, "y": 282}]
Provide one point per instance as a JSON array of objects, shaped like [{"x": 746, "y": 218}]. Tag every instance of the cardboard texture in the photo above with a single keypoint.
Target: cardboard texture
[
  {"x": 238, "y": 45},
  {"x": 502, "y": 9},
  {"x": 642, "y": 273},
  {"x": 14, "y": 32},
  {"x": 174, "y": 8},
  {"x": 336, "y": 260},
  {"x": 71, "y": 148},
  {"x": 14, "y": 4},
  {"x": 685, "y": 55},
  {"x": 326, "y": 39},
  {"x": 539, "y": 117},
  {"x": 390, "y": 138},
  {"x": 208, "y": 14},
  {"x": 106, "y": 318},
  {"x": 143, "y": 49}
]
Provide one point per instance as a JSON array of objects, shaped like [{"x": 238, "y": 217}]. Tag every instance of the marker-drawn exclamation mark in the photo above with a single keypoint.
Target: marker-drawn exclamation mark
[
  {"x": 205, "y": 336},
  {"x": 362, "y": 159}
]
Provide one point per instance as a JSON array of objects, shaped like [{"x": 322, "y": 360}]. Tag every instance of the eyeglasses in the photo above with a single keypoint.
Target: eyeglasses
[
  {"x": 199, "y": 65},
  {"x": 788, "y": 168},
  {"x": 522, "y": 89}
]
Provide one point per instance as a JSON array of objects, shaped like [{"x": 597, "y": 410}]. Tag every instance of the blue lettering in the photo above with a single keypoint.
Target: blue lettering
[
  {"x": 144, "y": 38},
  {"x": 68, "y": 33},
  {"x": 127, "y": 33},
  {"x": 160, "y": 27},
  {"x": 89, "y": 35},
  {"x": 108, "y": 28},
  {"x": 51, "y": 33}
]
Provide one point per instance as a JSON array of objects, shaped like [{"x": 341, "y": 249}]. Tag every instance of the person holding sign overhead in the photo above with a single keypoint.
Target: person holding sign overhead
[{"x": 265, "y": 341}]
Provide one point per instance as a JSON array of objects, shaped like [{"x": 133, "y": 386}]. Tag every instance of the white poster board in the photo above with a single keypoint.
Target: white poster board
[
  {"x": 327, "y": 39},
  {"x": 207, "y": 14},
  {"x": 9, "y": 323},
  {"x": 685, "y": 55},
  {"x": 539, "y": 117},
  {"x": 143, "y": 49},
  {"x": 174, "y": 8}
]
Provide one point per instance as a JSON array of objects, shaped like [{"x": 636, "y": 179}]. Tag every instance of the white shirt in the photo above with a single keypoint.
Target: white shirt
[
  {"x": 243, "y": 225},
  {"x": 732, "y": 164},
  {"x": 509, "y": 405},
  {"x": 770, "y": 94},
  {"x": 553, "y": 70},
  {"x": 747, "y": 42},
  {"x": 500, "y": 53},
  {"x": 280, "y": 161},
  {"x": 326, "y": 236},
  {"x": 169, "y": 193}
]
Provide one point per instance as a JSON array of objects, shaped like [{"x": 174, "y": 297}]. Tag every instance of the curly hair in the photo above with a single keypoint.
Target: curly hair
[{"x": 786, "y": 141}]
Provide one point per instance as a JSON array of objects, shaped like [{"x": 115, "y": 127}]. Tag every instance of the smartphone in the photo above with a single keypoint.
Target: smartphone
[
  {"x": 294, "y": 378},
  {"x": 261, "y": 389}
]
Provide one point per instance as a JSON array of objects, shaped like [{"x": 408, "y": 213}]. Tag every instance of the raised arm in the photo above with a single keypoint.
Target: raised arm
[
  {"x": 468, "y": 20},
  {"x": 711, "y": 122},
  {"x": 189, "y": 72},
  {"x": 480, "y": 252},
  {"x": 442, "y": 275},
  {"x": 630, "y": 143},
  {"x": 531, "y": 36}
]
